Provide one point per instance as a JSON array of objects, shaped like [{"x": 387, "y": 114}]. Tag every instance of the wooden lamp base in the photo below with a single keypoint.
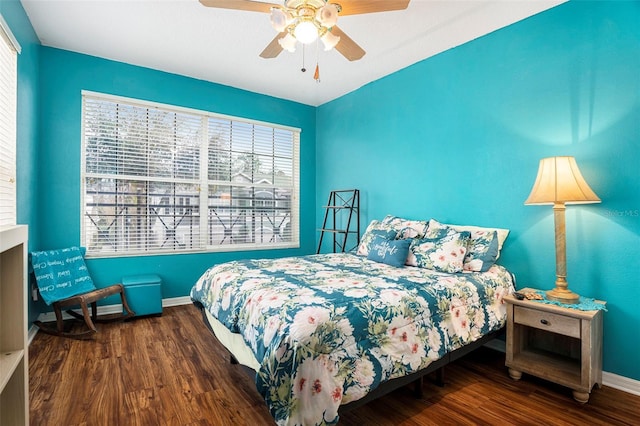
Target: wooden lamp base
[{"x": 563, "y": 295}]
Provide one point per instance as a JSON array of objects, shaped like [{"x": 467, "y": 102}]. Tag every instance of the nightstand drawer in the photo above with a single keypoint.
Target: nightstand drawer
[{"x": 567, "y": 326}]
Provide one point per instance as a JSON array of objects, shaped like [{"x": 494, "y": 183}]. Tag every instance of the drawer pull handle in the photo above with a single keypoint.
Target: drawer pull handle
[{"x": 545, "y": 322}]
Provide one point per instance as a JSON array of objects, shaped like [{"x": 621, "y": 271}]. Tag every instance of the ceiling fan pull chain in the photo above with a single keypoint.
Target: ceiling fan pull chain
[
  {"x": 316, "y": 74},
  {"x": 303, "y": 67}
]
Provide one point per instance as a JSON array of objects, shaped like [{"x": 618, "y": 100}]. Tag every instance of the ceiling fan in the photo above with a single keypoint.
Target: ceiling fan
[{"x": 307, "y": 20}]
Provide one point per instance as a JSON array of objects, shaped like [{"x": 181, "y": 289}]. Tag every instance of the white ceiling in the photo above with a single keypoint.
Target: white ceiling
[{"x": 184, "y": 37}]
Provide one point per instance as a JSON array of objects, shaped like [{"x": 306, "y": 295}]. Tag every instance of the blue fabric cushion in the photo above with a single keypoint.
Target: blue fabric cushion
[
  {"x": 61, "y": 273},
  {"x": 375, "y": 228},
  {"x": 445, "y": 254},
  {"x": 391, "y": 252},
  {"x": 484, "y": 246},
  {"x": 484, "y": 250}
]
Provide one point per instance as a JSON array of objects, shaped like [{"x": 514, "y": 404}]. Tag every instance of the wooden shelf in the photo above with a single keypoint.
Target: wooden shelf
[
  {"x": 9, "y": 361},
  {"x": 557, "y": 368},
  {"x": 14, "y": 362},
  {"x": 337, "y": 231},
  {"x": 339, "y": 207}
]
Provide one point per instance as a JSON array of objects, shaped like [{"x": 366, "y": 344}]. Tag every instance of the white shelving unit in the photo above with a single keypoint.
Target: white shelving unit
[{"x": 14, "y": 354}]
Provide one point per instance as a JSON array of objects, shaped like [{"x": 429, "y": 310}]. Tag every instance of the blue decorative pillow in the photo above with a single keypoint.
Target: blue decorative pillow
[
  {"x": 391, "y": 252},
  {"x": 444, "y": 254},
  {"x": 61, "y": 273},
  {"x": 375, "y": 228},
  {"x": 484, "y": 245},
  {"x": 483, "y": 251}
]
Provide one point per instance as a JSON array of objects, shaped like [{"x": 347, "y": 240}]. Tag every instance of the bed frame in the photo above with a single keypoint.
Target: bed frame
[{"x": 393, "y": 384}]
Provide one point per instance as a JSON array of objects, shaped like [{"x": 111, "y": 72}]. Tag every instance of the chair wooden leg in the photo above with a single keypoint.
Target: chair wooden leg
[
  {"x": 125, "y": 305},
  {"x": 87, "y": 318},
  {"x": 59, "y": 330},
  {"x": 59, "y": 320}
]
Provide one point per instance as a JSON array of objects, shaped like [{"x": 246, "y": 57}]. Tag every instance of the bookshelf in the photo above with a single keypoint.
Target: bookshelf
[{"x": 14, "y": 363}]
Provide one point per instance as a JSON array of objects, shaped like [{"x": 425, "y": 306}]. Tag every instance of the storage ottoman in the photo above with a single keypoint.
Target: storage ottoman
[{"x": 144, "y": 294}]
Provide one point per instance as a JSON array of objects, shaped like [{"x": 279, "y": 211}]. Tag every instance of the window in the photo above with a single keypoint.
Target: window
[
  {"x": 163, "y": 179},
  {"x": 9, "y": 49}
]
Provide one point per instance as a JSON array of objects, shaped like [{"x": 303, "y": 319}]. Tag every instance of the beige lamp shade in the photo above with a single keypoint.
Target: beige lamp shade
[{"x": 559, "y": 181}]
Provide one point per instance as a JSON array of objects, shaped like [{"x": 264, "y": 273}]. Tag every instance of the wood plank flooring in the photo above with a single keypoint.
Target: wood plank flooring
[{"x": 169, "y": 371}]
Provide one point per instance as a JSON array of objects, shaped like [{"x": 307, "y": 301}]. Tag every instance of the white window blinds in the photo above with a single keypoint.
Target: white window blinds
[
  {"x": 9, "y": 49},
  {"x": 166, "y": 179}
]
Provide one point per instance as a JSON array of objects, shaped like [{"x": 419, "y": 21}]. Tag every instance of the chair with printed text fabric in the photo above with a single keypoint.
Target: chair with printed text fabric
[{"x": 64, "y": 282}]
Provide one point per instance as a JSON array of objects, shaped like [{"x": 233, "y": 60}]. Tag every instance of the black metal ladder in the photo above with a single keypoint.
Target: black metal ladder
[{"x": 339, "y": 218}]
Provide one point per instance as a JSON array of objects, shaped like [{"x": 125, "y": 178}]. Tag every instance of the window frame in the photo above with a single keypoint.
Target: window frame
[
  {"x": 204, "y": 182},
  {"x": 8, "y": 121}
]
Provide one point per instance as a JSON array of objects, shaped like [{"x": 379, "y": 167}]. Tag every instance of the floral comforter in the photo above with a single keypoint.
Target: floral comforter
[{"x": 329, "y": 328}]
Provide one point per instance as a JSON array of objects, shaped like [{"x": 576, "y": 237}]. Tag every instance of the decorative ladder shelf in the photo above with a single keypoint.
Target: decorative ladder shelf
[{"x": 340, "y": 210}]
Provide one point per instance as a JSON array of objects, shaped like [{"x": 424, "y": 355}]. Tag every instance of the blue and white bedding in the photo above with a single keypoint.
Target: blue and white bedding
[{"x": 327, "y": 329}]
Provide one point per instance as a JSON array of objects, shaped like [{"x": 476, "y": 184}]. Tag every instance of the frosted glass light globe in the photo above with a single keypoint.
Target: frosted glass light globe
[
  {"x": 288, "y": 43},
  {"x": 278, "y": 19},
  {"x": 330, "y": 40},
  {"x": 306, "y": 32},
  {"x": 328, "y": 15}
]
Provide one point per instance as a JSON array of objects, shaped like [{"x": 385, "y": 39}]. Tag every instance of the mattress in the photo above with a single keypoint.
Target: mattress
[{"x": 325, "y": 330}]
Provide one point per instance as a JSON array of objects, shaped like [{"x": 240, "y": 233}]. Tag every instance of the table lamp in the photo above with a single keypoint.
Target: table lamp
[{"x": 560, "y": 182}]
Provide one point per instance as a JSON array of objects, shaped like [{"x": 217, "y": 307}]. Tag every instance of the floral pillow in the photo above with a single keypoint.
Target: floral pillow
[
  {"x": 391, "y": 252},
  {"x": 484, "y": 245},
  {"x": 407, "y": 228},
  {"x": 502, "y": 233},
  {"x": 375, "y": 228},
  {"x": 444, "y": 254}
]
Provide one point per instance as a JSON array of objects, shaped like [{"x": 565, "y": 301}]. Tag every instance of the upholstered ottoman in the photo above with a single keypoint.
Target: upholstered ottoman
[{"x": 144, "y": 294}]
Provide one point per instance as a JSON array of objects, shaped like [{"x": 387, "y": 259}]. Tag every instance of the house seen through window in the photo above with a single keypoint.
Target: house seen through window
[{"x": 159, "y": 179}]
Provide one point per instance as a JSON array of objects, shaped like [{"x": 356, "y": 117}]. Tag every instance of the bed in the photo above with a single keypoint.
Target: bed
[{"x": 328, "y": 331}]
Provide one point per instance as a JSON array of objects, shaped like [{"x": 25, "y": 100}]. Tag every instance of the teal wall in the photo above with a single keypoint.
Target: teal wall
[
  {"x": 62, "y": 79},
  {"x": 458, "y": 137},
  {"x": 26, "y": 122}
]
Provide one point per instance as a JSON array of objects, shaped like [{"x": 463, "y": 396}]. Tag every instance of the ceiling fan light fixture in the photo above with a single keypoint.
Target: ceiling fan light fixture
[
  {"x": 306, "y": 32},
  {"x": 288, "y": 43},
  {"x": 327, "y": 15},
  {"x": 309, "y": 20},
  {"x": 280, "y": 19},
  {"x": 329, "y": 40}
]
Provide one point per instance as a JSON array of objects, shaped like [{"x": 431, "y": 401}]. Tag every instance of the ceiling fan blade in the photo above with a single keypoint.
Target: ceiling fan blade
[
  {"x": 252, "y": 6},
  {"x": 347, "y": 46},
  {"x": 355, "y": 7},
  {"x": 273, "y": 49}
]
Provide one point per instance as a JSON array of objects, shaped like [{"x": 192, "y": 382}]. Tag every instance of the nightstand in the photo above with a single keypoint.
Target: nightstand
[{"x": 554, "y": 343}]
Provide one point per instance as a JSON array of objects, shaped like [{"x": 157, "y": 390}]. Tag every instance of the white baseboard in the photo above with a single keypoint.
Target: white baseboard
[
  {"x": 176, "y": 301},
  {"x": 113, "y": 309},
  {"x": 33, "y": 330},
  {"x": 622, "y": 383}
]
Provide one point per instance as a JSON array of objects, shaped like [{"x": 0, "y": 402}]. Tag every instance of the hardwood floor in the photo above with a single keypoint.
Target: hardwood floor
[{"x": 168, "y": 370}]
